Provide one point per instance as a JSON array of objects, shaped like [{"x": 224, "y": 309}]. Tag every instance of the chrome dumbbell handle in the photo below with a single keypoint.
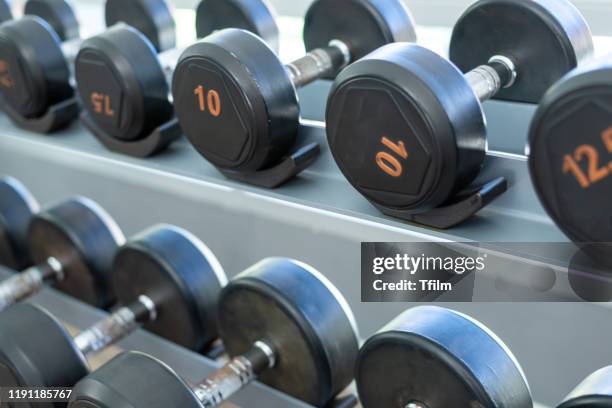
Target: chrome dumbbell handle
[
  {"x": 29, "y": 282},
  {"x": 235, "y": 375}
]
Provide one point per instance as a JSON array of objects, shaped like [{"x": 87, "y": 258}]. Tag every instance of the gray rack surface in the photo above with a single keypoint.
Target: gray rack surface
[
  {"x": 319, "y": 219},
  {"x": 189, "y": 365}
]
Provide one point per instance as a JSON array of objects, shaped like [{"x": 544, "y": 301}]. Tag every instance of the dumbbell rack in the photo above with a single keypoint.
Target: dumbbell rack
[
  {"x": 317, "y": 218},
  {"x": 191, "y": 366}
]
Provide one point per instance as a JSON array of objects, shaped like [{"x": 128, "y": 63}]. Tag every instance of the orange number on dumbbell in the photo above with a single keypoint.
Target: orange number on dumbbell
[
  {"x": 389, "y": 163},
  {"x": 5, "y": 76},
  {"x": 210, "y": 100},
  {"x": 596, "y": 172},
  {"x": 102, "y": 104}
]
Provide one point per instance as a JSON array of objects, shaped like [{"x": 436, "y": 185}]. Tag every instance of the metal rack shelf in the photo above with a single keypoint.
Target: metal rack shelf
[
  {"x": 318, "y": 218},
  {"x": 191, "y": 366}
]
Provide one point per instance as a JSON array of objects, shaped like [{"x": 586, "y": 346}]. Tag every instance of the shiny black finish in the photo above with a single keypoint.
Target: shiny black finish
[
  {"x": 120, "y": 67},
  {"x": 35, "y": 66},
  {"x": 407, "y": 94},
  {"x": 544, "y": 38},
  {"x": 363, "y": 25},
  {"x": 575, "y": 113},
  {"x": 259, "y": 108}
]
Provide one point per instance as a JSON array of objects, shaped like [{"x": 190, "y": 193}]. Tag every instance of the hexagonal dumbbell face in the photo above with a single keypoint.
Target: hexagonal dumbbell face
[
  {"x": 37, "y": 51},
  {"x": 390, "y": 130},
  {"x": 571, "y": 154},
  {"x": 436, "y": 358},
  {"x": 124, "y": 82},
  {"x": 406, "y": 126},
  {"x": 236, "y": 100},
  {"x": 34, "y": 73}
]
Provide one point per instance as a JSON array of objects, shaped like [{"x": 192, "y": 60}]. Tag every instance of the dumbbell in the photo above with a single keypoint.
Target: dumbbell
[
  {"x": 282, "y": 322},
  {"x": 124, "y": 83},
  {"x": 570, "y": 156},
  {"x": 38, "y": 93},
  {"x": 237, "y": 103},
  {"x": 72, "y": 245},
  {"x": 406, "y": 127},
  {"x": 432, "y": 357},
  {"x": 594, "y": 392},
  {"x": 166, "y": 281},
  {"x": 57, "y": 13},
  {"x": 17, "y": 208}
]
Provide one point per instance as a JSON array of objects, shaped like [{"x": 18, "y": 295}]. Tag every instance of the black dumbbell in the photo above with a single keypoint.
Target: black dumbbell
[
  {"x": 57, "y": 13},
  {"x": 431, "y": 357},
  {"x": 570, "y": 156},
  {"x": 406, "y": 127},
  {"x": 38, "y": 91},
  {"x": 124, "y": 84},
  {"x": 237, "y": 103},
  {"x": 17, "y": 207},
  {"x": 71, "y": 244},
  {"x": 594, "y": 392},
  {"x": 165, "y": 279},
  {"x": 283, "y": 323}
]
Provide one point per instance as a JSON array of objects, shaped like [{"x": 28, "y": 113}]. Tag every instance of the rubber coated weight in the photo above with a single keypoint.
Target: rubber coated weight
[
  {"x": 36, "y": 351},
  {"x": 304, "y": 319},
  {"x": 17, "y": 207},
  {"x": 570, "y": 159},
  {"x": 122, "y": 84},
  {"x": 6, "y": 13},
  {"x": 58, "y": 13},
  {"x": 363, "y": 25},
  {"x": 33, "y": 73},
  {"x": 405, "y": 128},
  {"x": 133, "y": 380},
  {"x": 180, "y": 275},
  {"x": 427, "y": 150},
  {"x": 255, "y": 113},
  {"x": 153, "y": 18},
  {"x": 244, "y": 116},
  {"x": 84, "y": 239},
  {"x": 255, "y": 16},
  {"x": 545, "y": 39},
  {"x": 593, "y": 392},
  {"x": 439, "y": 358}
]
